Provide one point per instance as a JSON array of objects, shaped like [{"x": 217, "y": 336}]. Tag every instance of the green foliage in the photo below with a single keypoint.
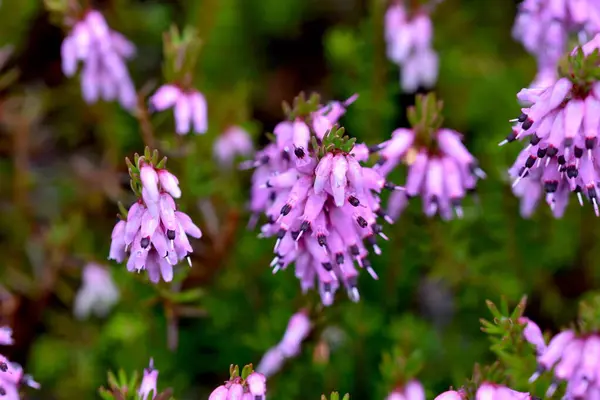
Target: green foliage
[{"x": 335, "y": 396}]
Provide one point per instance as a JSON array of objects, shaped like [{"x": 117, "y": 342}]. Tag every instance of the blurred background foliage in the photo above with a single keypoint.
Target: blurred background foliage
[{"x": 62, "y": 172}]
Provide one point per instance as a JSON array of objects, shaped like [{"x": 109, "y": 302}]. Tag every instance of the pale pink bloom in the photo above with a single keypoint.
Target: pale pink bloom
[
  {"x": 6, "y": 338},
  {"x": 189, "y": 107},
  {"x": 233, "y": 142},
  {"x": 147, "y": 388},
  {"x": 252, "y": 388},
  {"x": 413, "y": 390},
  {"x": 97, "y": 294},
  {"x": 409, "y": 44},
  {"x": 103, "y": 53}
]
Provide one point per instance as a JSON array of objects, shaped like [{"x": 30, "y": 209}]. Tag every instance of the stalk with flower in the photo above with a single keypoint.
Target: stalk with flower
[{"x": 153, "y": 233}]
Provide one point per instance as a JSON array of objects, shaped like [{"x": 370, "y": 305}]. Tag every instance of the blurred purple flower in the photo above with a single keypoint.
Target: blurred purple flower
[
  {"x": 234, "y": 141},
  {"x": 533, "y": 334},
  {"x": 254, "y": 387},
  {"x": 321, "y": 208},
  {"x": 413, "y": 390},
  {"x": 97, "y": 294},
  {"x": 154, "y": 233},
  {"x": 561, "y": 123},
  {"x": 572, "y": 358},
  {"x": 442, "y": 177},
  {"x": 189, "y": 107},
  {"x": 6, "y": 336},
  {"x": 298, "y": 329},
  {"x": 149, "y": 382},
  {"x": 544, "y": 28},
  {"x": 408, "y": 36},
  {"x": 103, "y": 53}
]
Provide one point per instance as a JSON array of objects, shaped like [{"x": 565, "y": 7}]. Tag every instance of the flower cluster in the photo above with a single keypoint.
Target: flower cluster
[
  {"x": 488, "y": 391},
  {"x": 561, "y": 123},
  {"x": 413, "y": 390},
  {"x": 572, "y": 358},
  {"x": 11, "y": 374},
  {"x": 103, "y": 53},
  {"x": 189, "y": 107},
  {"x": 98, "y": 293},
  {"x": 544, "y": 28},
  {"x": 249, "y": 386},
  {"x": 408, "y": 36},
  {"x": 321, "y": 203},
  {"x": 440, "y": 168},
  {"x": 153, "y": 231},
  {"x": 297, "y": 330}
]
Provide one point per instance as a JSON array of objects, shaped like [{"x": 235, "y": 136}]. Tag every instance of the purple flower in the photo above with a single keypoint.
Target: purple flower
[
  {"x": 232, "y": 142},
  {"x": 440, "y": 169},
  {"x": 103, "y": 53},
  {"x": 413, "y": 390},
  {"x": 408, "y": 37},
  {"x": 320, "y": 203},
  {"x": 254, "y": 387},
  {"x": 6, "y": 338},
  {"x": 149, "y": 382},
  {"x": 544, "y": 27},
  {"x": 487, "y": 391},
  {"x": 572, "y": 358},
  {"x": 98, "y": 293},
  {"x": 189, "y": 106},
  {"x": 12, "y": 376},
  {"x": 561, "y": 123},
  {"x": 298, "y": 329},
  {"x": 155, "y": 233},
  {"x": 533, "y": 334}
]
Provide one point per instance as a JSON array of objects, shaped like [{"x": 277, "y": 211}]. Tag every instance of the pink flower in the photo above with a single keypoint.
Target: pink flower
[
  {"x": 12, "y": 376},
  {"x": 149, "y": 382},
  {"x": 574, "y": 359},
  {"x": 561, "y": 123},
  {"x": 103, "y": 53},
  {"x": 155, "y": 233},
  {"x": 236, "y": 388},
  {"x": 409, "y": 45},
  {"x": 441, "y": 178},
  {"x": 413, "y": 390},
  {"x": 322, "y": 208},
  {"x": 235, "y": 141},
  {"x": 544, "y": 28},
  {"x": 98, "y": 293},
  {"x": 189, "y": 106},
  {"x": 6, "y": 336}
]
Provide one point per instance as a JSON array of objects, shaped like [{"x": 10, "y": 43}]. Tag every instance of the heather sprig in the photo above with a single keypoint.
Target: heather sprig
[
  {"x": 248, "y": 384},
  {"x": 153, "y": 232},
  {"x": 122, "y": 387},
  {"x": 440, "y": 168}
]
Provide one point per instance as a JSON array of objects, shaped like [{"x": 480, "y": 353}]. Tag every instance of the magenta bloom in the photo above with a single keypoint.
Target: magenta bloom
[
  {"x": 408, "y": 36},
  {"x": 322, "y": 205},
  {"x": 487, "y": 391},
  {"x": 297, "y": 331},
  {"x": 413, "y": 390},
  {"x": 12, "y": 376},
  {"x": 98, "y": 293},
  {"x": 544, "y": 28},
  {"x": 572, "y": 358},
  {"x": 149, "y": 382},
  {"x": 189, "y": 107},
  {"x": 154, "y": 232},
  {"x": 440, "y": 168},
  {"x": 561, "y": 125},
  {"x": 103, "y": 53},
  {"x": 254, "y": 387},
  {"x": 235, "y": 141}
]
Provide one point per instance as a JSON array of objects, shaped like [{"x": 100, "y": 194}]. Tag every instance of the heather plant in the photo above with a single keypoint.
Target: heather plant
[{"x": 143, "y": 149}]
